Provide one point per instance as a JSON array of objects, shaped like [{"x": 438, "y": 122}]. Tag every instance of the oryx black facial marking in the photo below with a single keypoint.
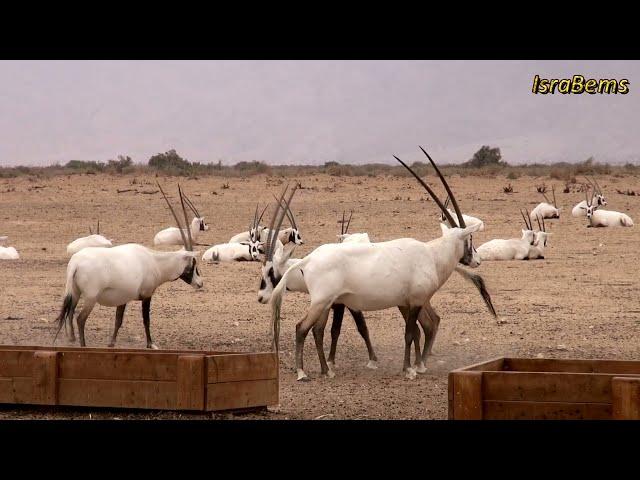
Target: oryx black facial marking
[{"x": 189, "y": 271}]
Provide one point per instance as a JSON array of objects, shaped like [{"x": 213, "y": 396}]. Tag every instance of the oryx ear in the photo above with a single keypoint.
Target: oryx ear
[
  {"x": 583, "y": 208},
  {"x": 245, "y": 243},
  {"x": 465, "y": 232}
]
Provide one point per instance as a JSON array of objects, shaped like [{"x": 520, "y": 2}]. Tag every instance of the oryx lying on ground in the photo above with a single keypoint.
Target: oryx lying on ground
[
  {"x": 8, "y": 253},
  {"x": 116, "y": 276},
  {"x": 255, "y": 233},
  {"x": 580, "y": 209},
  {"x": 403, "y": 273},
  {"x": 172, "y": 236},
  {"x": 546, "y": 209},
  {"x": 245, "y": 251},
  {"x": 509, "y": 249},
  {"x": 605, "y": 218},
  {"x": 92, "y": 240}
]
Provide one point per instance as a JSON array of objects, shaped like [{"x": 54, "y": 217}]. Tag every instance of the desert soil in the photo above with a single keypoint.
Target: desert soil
[{"x": 581, "y": 301}]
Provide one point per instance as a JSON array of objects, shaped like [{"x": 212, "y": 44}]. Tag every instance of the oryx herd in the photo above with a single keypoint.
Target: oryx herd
[{"x": 354, "y": 273}]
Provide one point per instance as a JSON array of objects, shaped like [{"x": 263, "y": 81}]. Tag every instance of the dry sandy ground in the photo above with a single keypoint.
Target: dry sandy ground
[{"x": 581, "y": 301}]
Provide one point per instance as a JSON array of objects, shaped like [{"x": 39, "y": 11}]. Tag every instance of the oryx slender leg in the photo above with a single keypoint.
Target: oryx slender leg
[
  {"x": 358, "y": 317},
  {"x": 82, "y": 318},
  {"x": 302, "y": 329},
  {"x": 418, "y": 364},
  {"x": 318, "y": 336},
  {"x": 431, "y": 322},
  {"x": 68, "y": 321},
  {"x": 336, "y": 326},
  {"x": 118, "y": 324},
  {"x": 146, "y": 319},
  {"x": 410, "y": 315}
]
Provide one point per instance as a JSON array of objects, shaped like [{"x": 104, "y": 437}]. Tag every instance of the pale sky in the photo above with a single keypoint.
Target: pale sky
[{"x": 310, "y": 112}]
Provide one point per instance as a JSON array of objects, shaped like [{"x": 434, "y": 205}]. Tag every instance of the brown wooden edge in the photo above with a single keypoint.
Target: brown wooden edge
[
  {"x": 465, "y": 395},
  {"x": 191, "y": 374},
  {"x": 625, "y": 396},
  {"x": 45, "y": 378}
]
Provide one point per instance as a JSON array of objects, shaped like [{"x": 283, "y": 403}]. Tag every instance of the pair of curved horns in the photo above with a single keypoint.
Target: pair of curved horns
[
  {"x": 343, "y": 231},
  {"x": 542, "y": 226},
  {"x": 98, "y": 232},
  {"x": 553, "y": 190},
  {"x": 290, "y": 216},
  {"x": 187, "y": 241},
  {"x": 191, "y": 206},
  {"x": 256, "y": 219},
  {"x": 276, "y": 222},
  {"x": 445, "y": 212},
  {"x": 527, "y": 219}
]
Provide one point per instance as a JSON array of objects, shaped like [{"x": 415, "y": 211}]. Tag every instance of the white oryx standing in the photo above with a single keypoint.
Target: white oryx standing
[
  {"x": 580, "y": 209},
  {"x": 605, "y": 218},
  {"x": 276, "y": 262},
  {"x": 403, "y": 273},
  {"x": 546, "y": 209},
  {"x": 91, "y": 240},
  {"x": 172, "y": 236},
  {"x": 116, "y": 276},
  {"x": 509, "y": 249}
]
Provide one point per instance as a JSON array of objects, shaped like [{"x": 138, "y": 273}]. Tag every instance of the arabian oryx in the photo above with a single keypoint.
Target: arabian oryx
[
  {"x": 605, "y": 218},
  {"x": 509, "y": 249},
  {"x": 116, "y": 276},
  {"x": 277, "y": 260},
  {"x": 92, "y": 240},
  {"x": 256, "y": 232},
  {"x": 246, "y": 251},
  {"x": 468, "y": 219},
  {"x": 7, "y": 253},
  {"x": 580, "y": 210},
  {"x": 545, "y": 209},
  {"x": 171, "y": 235},
  {"x": 403, "y": 273}
]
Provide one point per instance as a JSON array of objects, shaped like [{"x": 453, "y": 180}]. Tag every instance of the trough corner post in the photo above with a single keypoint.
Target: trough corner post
[
  {"x": 625, "y": 393},
  {"x": 465, "y": 395},
  {"x": 45, "y": 377},
  {"x": 191, "y": 382}
]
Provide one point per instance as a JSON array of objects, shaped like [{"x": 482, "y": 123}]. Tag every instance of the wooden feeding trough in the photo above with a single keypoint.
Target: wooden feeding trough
[
  {"x": 131, "y": 378},
  {"x": 544, "y": 388}
]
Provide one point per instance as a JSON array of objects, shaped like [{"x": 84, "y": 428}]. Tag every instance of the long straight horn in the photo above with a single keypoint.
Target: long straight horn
[
  {"x": 186, "y": 221},
  {"x": 449, "y": 192},
  {"x": 346, "y": 230},
  {"x": 267, "y": 252},
  {"x": 553, "y": 190},
  {"x": 255, "y": 218},
  {"x": 586, "y": 197},
  {"x": 342, "y": 224},
  {"x": 274, "y": 234},
  {"x": 191, "y": 206},
  {"x": 539, "y": 225},
  {"x": 544, "y": 229},
  {"x": 545, "y": 197},
  {"x": 90, "y": 231},
  {"x": 289, "y": 213},
  {"x": 524, "y": 217},
  {"x": 175, "y": 217},
  {"x": 98, "y": 232},
  {"x": 262, "y": 214},
  {"x": 597, "y": 185},
  {"x": 445, "y": 212}
]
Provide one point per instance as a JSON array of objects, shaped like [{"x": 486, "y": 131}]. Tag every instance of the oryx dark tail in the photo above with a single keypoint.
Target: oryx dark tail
[{"x": 478, "y": 281}]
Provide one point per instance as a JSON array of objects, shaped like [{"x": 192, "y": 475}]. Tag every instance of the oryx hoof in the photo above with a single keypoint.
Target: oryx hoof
[
  {"x": 331, "y": 365},
  {"x": 330, "y": 374},
  {"x": 410, "y": 374},
  {"x": 421, "y": 368},
  {"x": 153, "y": 346},
  {"x": 302, "y": 377},
  {"x": 372, "y": 364}
]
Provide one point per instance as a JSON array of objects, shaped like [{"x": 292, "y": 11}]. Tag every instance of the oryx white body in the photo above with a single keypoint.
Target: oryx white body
[
  {"x": 609, "y": 218},
  {"x": 172, "y": 236},
  {"x": 354, "y": 238},
  {"x": 580, "y": 210},
  {"x": 545, "y": 210},
  {"x": 507, "y": 249},
  {"x": 285, "y": 236},
  {"x": 118, "y": 275},
  {"x": 89, "y": 241},
  {"x": 232, "y": 252},
  {"x": 9, "y": 253}
]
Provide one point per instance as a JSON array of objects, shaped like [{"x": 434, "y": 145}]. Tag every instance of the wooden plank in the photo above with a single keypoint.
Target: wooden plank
[
  {"x": 451, "y": 395},
  {"x": 625, "y": 393},
  {"x": 494, "y": 364},
  {"x": 242, "y": 394},
  {"x": 547, "y": 387},
  {"x": 467, "y": 395},
  {"x": 501, "y": 410},
  {"x": 117, "y": 393},
  {"x": 239, "y": 367},
  {"x": 16, "y": 390},
  {"x": 16, "y": 363},
  {"x": 191, "y": 382},
  {"x": 111, "y": 349},
  {"x": 572, "y": 365},
  {"x": 117, "y": 365},
  {"x": 45, "y": 378}
]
